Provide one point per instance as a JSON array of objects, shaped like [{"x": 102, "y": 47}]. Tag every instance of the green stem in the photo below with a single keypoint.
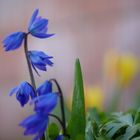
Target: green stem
[
  {"x": 57, "y": 118},
  {"x": 61, "y": 105},
  {"x": 30, "y": 68},
  {"x": 28, "y": 62}
]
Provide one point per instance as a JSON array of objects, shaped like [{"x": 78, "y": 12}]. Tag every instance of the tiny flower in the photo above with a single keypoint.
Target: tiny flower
[
  {"x": 44, "y": 88},
  {"x": 44, "y": 104},
  {"x": 60, "y": 137},
  {"x": 23, "y": 92},
  {"x": 38, "y": 26},
  {"x": 35, "y": 125},
  {"x": 39, "y": 60},
  {"x": 13, "y": 41}
]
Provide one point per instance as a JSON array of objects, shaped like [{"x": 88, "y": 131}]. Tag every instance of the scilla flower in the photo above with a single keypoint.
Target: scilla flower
[
  {"x": 38, "y": 26},
  {"x": 13, "y": 41},
  {"x": 44, "y": 104},
  {"x": 44, "y": 88},
  {"x": 35, "y": 125},
  {"x": 23, "y": 92},
  {"x": 39, "y": 60}
]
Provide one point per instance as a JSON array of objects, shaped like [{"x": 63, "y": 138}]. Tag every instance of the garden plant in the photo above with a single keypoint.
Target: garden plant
[{"x": 82, "y": 125}]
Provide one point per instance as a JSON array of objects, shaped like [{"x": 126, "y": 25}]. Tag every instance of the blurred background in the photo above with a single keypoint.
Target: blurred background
[{"x": 103, "y": 34}]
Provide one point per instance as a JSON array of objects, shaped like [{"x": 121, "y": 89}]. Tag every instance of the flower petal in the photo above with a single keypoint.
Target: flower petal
[
  {"x": 38, "y": 127},
  {"x": 46, "y": 103},
  {"x": 14, "y": 90},
  {"x": 41, "y": 67},
  {"x": 38, "y": 26},
  {"x": 29, "y": 120},
  {"x": 35, "y": 69},
  {"x": 35, "y": 125},
  {"x": 13, "y": 41},
  {"x": 39, "y": 60},
  {"x": 23, "y": 92},
  {"x": 34, "y": 15},
  {"x": 60, "y": 137},
  {"x": 44, "y": 88},
  {"x": 42, "y": 35}
]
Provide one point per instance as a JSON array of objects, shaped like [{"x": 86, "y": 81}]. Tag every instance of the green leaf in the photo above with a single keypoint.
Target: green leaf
[
  {"x": 130, "y": 132},
  {"x": 93, "y": 115},
  {"x": 137, "y": 138},
  {"x": 76, "y": 126},
  {"x": 137, "y": 117},
  {"x": 53, "y": 131},
  {"x": 89, "y": 131},
  {"x": 80, "y": 137},
  {"x": 126, "y": 119},
  {"x": 114, "y": 130},
  {"x": 103, "y": 138},
  {"x": 118, "y": 124}
]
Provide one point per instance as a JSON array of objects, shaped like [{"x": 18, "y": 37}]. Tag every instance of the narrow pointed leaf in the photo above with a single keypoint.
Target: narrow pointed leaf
[{"x": 76, "y": 126}]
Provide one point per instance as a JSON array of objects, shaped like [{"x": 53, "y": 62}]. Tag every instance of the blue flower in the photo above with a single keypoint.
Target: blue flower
[
  {"x": 60, "y": 137},
  {"x": 13, "y": 41},
  {"x": 23, "y": 92},
  {"x": 35, "y": 125},
  {"x": 38, "y": 26},
  {"x": 44, "y": 88},
  {"x": 39, "y": 60},
  {"x": 44, "y": 104}
]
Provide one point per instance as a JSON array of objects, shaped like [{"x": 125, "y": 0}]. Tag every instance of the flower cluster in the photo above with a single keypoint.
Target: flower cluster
[
  {"x": 38, "y": 27},
  {"x": 43, "y": 98},
  {"x": 43, "y": 104}
]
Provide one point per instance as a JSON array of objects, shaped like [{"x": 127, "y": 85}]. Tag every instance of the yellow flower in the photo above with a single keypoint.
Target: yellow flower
[
  {"x": 120, "y": 67},
  {"x": 93, "y": 98}
]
